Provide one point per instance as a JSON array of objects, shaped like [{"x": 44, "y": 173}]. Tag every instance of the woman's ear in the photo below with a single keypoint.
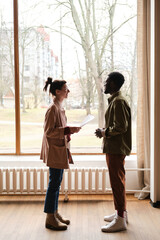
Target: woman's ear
[{"x": 57, "y": 92}]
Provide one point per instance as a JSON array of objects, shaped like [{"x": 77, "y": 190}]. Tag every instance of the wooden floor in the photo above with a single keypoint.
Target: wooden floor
[{"x": 22, "y": 218}]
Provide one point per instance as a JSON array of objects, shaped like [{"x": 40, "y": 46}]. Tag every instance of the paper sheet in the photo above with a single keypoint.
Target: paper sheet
[{"x": 87, "y": 119}]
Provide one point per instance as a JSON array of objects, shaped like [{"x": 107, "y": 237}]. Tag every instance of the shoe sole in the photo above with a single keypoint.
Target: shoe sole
[
  {"x": 111, "y": 231},
  {"x": 112, "y": 220},
  {"x": 55, "y": 228}
]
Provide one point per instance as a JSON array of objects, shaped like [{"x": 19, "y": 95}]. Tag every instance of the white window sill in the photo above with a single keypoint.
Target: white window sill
[{"x": 79, "y": 161}]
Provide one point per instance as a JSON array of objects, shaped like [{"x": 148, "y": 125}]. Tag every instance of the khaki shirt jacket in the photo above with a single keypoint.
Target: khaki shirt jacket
[
  {"x": 118, "y": 126},
  {"x": 55, "y": 149}
]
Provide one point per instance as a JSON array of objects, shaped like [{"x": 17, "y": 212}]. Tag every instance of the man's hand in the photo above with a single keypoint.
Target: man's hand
[{"x": 99, "y": 132}]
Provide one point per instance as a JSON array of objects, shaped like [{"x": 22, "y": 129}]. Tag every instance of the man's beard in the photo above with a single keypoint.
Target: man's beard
[{"x": 106, "y": 91}]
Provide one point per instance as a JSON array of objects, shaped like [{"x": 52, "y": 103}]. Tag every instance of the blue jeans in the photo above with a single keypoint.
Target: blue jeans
[{"x": 52, "y": 195}]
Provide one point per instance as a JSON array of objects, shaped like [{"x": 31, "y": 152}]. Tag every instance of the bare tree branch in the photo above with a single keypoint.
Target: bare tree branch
[
  {"x": 69, "y": 36},
  {"x": 65, "y": 4},
  {"x": 115, "y": 30},
  {"x": 77, "y": 21},
  {"x": 65, "y": 14}
]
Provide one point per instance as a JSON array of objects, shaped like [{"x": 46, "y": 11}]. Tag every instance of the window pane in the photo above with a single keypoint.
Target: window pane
[
  {"x": 7, "y": 90},
  {"x": 57, "y": 40}
]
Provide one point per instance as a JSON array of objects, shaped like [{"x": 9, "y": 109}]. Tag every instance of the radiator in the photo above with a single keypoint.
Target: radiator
[
  {"x": 35, "y": 181},
  {"x": 75, "y": 181}
]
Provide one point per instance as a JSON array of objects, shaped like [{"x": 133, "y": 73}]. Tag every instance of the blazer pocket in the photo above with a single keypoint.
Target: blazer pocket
[{"x": 59, "y": 153}]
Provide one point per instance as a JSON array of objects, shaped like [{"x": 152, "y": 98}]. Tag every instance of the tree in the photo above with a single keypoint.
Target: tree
[
  {"x": 93, "y": 21},
  {"x": 86, "y": 85},
  {"x": 28, "y": 36},
  {"x": 6, "y": 59}
]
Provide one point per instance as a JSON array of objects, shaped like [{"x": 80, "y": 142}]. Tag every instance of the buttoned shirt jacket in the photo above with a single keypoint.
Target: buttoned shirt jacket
[{"x": 118, "y": 137}]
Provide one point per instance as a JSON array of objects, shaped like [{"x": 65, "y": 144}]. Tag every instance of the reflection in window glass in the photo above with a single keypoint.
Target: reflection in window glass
[
  {"x": 7, "y": 90},
  {"x": 80, "y": 44}
]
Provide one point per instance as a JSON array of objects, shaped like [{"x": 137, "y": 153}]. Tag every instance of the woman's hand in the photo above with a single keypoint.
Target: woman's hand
[{"x": 74, "y": 129}]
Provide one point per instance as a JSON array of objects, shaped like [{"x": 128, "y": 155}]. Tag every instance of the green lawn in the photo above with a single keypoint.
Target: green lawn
[
  {"x": 37, "y": 115},
  {"x": 31, "y": 135}
]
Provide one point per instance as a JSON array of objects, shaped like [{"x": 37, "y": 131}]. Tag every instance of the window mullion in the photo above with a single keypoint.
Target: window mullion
[{"x": 16, "y": 69}]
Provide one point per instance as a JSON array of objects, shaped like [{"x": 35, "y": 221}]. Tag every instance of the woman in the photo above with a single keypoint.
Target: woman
[{"x": 55, "y": 151}]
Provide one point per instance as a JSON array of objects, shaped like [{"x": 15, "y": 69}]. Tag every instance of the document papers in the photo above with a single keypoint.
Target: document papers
[{"x": 87, "y": 119}]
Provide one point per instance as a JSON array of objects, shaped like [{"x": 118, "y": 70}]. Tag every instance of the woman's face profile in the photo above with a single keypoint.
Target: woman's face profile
[{"x": 63, "y": 93}]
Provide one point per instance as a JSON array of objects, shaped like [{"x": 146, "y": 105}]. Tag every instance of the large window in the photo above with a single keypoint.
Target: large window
[{"x": 79, "y": 41}]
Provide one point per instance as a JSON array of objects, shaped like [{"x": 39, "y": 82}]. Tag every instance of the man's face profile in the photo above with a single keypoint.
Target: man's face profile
[{"x": 107, "y": 86}]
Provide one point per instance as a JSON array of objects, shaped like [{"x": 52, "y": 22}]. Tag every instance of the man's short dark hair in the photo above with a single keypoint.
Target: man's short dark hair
[{"x": 117, "y": 78}]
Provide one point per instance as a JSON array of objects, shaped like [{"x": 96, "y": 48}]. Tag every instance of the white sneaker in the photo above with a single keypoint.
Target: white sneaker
[
  {"x": 111, "y": 217},
  {"x": 118, "y": 224}
]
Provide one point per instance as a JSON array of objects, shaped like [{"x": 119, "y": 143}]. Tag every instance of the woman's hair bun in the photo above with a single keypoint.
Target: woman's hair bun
[{"x": 49, "y": 80}]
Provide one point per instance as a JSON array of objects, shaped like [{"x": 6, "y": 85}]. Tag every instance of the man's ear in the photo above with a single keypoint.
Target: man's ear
[{"x": 113, "y": 86}]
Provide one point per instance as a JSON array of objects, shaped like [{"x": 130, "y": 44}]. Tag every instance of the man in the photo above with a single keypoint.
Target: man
[{"x": 116, "y": 144}]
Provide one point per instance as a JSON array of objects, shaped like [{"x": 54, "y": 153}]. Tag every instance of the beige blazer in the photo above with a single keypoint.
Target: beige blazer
[{"x": 55, "y": 149}]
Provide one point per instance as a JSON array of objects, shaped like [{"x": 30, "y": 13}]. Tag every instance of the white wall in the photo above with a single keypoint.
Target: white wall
[{"x": 155, "y": 101}]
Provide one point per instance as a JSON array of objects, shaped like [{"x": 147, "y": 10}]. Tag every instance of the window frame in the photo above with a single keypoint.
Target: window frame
[{"x": 17, "y": 87}]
